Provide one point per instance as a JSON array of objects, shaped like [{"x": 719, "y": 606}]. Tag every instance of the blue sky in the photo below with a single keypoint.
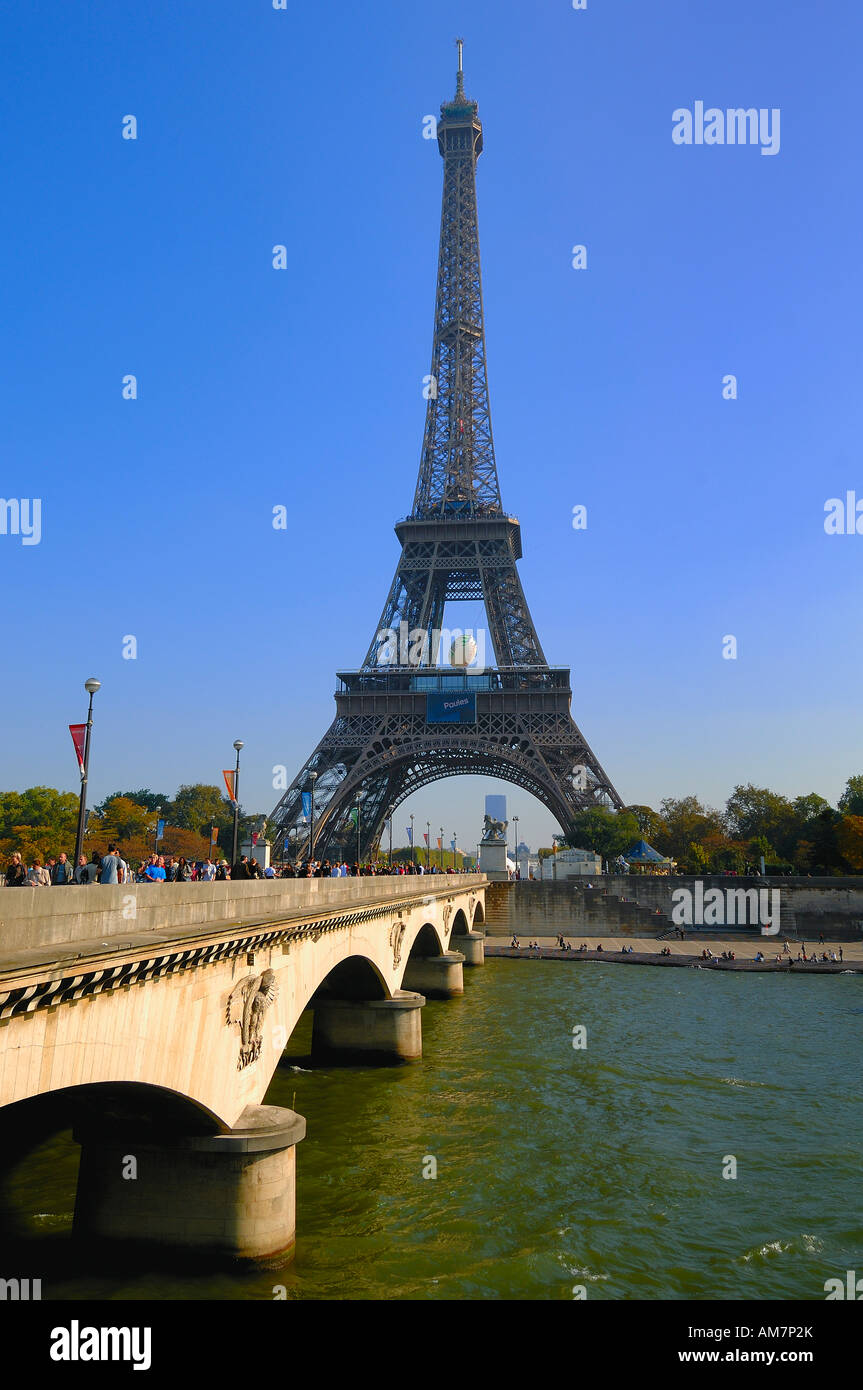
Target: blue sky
[{"x": 303, "y": 387}]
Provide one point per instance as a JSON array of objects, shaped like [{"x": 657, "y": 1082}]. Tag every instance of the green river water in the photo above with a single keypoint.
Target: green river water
[{"x": 557, "y": 1168}]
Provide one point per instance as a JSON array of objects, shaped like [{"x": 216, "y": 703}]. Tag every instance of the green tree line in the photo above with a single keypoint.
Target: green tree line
[
  {"x": 42, "y": 821},
  {"x": 804, "y": 835}
]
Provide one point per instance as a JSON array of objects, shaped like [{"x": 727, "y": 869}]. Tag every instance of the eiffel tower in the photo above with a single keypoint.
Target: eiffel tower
[{"x": 391, "y": 734}]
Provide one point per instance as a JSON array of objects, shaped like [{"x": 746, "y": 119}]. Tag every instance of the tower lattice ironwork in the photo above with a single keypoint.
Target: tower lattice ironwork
[{"x": 390, "y": 735}]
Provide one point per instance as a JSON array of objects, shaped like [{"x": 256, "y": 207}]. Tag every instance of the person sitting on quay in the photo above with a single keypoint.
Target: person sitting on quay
[
  {"x": 759, "y": 956},
  {"x": 599, "y": 947},
  {"x": 666, "y": 951}
]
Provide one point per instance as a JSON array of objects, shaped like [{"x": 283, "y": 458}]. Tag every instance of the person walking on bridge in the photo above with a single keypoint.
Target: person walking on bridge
[
  {"x": 16, "y": 874},
  {"x": 38, "y": 877}
]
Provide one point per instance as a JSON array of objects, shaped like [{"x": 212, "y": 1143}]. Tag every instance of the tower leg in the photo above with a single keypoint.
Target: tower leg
[{"x": 233, "y": 1194}]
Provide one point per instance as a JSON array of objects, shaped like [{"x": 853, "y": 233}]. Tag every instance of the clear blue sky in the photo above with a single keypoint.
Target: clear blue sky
[{"x": 303, "y": 387}]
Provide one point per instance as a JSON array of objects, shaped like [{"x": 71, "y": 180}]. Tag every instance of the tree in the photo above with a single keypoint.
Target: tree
[
  {"x": 687, "y": 822},
  {"x": 650, "y": 822},
  {"x": 849, "y": 837},
  {"x": 40, "y": 819},
  {"x": 197, "y": 806},
  {"x": 607, "y": 833},
  {"x": 151, "y": 801},
  {"x": 851, "y": 800},
  {"x": 752, "y": 812}
]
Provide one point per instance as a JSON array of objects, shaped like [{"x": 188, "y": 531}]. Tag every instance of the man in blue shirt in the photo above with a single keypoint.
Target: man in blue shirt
[
  {"x": 110, "y": 865},
  {"x": 154, "y": 873}
]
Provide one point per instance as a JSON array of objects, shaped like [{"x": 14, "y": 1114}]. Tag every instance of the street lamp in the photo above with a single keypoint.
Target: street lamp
[
  {"x": 360, "y": 795},
  {"x": 428, "y": 844},
  {"x": 441, "y": 849},
  {"x": 313, "y": 777},
  {"x": 454, "y": 851},
  {"x": 238, "y": 743},
  {"x": 413, "y": 856},
  {"x": 515, "y": 823},
  {"x": 91, "y": 685},
  {"x": 391, "y": 810}
]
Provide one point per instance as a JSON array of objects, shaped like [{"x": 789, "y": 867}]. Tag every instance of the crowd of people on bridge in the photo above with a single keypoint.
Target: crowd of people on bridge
[{"x": 112, "y": 868}]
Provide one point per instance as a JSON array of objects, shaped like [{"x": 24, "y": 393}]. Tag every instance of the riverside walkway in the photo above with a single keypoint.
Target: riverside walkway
[{"x": 687, "y": 954}]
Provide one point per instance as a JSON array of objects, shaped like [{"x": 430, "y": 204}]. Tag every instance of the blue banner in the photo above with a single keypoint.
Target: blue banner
[
  {"x": 449, "y": 707},
  {"x": 410, "y": 834},
  {"x": 452, "y": 845},
  {"x": 307, "y": 804},
  {"x": 160, "y": 829}
]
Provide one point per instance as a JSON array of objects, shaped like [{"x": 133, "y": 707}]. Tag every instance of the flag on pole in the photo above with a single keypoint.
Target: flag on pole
[
  {"x": 425, "y": 836},
  {"x": 452, "y": 845},
  {"x": 439, "y": 842},
  {"x": 307, "y": 805},
  {"x": 410, "y": 834},
  {"x": 254, "y": 838},
  {"x": 160, "y": 829},
  {"x": 230, "y": 783},
  {"x": 353, "y": 815},
  {"x": 214, "y": 838},
  {"x": 78, "y": 732}
]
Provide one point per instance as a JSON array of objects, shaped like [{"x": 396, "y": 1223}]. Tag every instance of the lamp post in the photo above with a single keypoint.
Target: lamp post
[
  {"x": 413, "y": 856},
  {"x": 360, "y": 795},
  {"x": 428, "y": 844},
  {"x": 91, "y": 685},
  {"x": 313, "y": 777},
  {"x": 454, "y": 850},
  {"x": 515, "y": 856},
  {"x": 156, "y": 831},
  {"x": 440, "y": 851},
  {"x": 238, "y": 743},
  {"x": 391, "y": 810}
]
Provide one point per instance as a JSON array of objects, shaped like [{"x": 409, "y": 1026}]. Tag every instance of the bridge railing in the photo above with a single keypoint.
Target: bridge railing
[{"x": 41, "y": 917}]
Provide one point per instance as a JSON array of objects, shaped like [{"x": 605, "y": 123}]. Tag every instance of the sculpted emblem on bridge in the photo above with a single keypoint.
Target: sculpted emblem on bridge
[
  {"x": 397, "y": 932},
  {"x": 247, "y": 1004}
]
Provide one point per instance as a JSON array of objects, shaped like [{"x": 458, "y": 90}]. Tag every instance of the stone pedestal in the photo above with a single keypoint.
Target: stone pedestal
[
  {"x": 439, "y": 977},
  {"x": 260, "y": 851},
  {"x": 369, "y": 1030},
  {"x": 492, "y": 860},
  {"x": 232, "y": 1194},
  {"x": 472, "y": 947}
]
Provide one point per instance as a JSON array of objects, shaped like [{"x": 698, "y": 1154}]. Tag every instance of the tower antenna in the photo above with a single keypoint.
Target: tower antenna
[{"x": 459, "y": 89}]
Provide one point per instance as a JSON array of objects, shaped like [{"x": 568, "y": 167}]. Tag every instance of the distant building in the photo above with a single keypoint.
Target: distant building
[{"x": 572, "y": 863}]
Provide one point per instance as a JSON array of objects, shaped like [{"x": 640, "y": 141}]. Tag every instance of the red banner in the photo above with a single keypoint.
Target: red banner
[
  {"x": 229, "y": 783},
  {"x": 78, "y": 732},
  {"x": 254, "y": 838}
]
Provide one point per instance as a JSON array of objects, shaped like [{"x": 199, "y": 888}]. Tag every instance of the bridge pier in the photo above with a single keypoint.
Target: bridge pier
[
  {"x": 232, "y": 1194},
  {"x": 438, "y": 977},
  {"x": 471, "y": 947},
  {"x": 368, "y": 1030}
]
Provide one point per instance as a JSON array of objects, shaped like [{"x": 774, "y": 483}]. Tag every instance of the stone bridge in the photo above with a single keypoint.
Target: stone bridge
[{"x": 160, "y": 1012}]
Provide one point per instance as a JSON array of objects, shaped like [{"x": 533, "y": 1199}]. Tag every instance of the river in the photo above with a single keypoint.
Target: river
[{"x": 561, "y": 1171}]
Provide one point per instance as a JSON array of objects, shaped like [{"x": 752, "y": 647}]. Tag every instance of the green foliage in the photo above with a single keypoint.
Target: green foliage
[
  {"x": 607, "y": 833},
  {"x": 851, "y": 800},
  {"x": 151, "y": 801}
]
